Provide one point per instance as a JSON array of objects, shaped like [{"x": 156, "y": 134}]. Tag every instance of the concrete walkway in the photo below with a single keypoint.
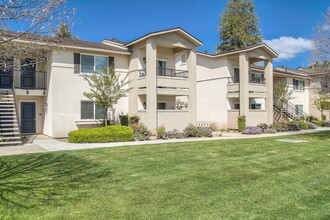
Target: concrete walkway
[{"x": 46, "y": 144}]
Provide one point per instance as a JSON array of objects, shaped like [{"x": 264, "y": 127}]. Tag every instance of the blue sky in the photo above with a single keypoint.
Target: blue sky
[{"x": 287, "y": 25}]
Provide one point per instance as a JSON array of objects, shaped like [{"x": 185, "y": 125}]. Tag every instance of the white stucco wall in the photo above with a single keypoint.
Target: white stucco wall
[
  {"x": 212, "y": 89},
  {"x": 300, "y": 97},
  {"x": 66, "y": 93}
]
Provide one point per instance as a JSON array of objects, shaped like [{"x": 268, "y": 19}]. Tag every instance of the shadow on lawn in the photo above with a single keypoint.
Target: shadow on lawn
[{"x": 44, "y": 178}]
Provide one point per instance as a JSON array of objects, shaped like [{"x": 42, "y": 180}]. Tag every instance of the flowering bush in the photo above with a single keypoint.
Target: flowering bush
[
  {"x": 294, "y": 126},
  {"x": 205, "y": 132},
  {"x": 252, "y": 130},
  {"x": 175, "y": 134},
  {"x": 326, "y": 124},
  {"x": 141, "y": 132},
  {"x": 280, "y": 127},
  {"x": 269, "y": 131},
  {"x": 263, "y": 126},
  {"x": 311, "y": 125}
]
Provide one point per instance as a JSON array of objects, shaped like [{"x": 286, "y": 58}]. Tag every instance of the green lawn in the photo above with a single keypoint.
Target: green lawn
[{"x": 229, "y": 179}]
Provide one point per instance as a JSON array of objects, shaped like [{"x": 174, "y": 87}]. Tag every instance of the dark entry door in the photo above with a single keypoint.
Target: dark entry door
[
  {"x": 6, "y": 78},
  {"x": 28, "y": 74},
  {"x": 28, "y": 117}
]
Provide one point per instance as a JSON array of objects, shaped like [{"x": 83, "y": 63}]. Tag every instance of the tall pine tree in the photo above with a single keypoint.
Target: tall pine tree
[{"x": 238, "y": 26}]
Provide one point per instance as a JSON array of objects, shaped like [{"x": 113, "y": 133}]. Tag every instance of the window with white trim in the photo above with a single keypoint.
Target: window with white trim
[
  {"x": 92, "y": 64},
  {"x": 90, "y": 111},
  {"x": 298, "y": 85}
]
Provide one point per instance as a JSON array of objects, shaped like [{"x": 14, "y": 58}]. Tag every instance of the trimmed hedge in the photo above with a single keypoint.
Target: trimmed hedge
[
  {"x": 106, "y": 134},
  {"x": 318, "y": 122},
  {"x": 241, "y": 122}
]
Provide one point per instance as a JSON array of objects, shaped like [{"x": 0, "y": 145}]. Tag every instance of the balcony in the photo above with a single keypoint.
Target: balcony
[
  {"x": 30, "y": 82},
  {"x": 165, "y": 73},
  {"x": 252, "y": 79}
]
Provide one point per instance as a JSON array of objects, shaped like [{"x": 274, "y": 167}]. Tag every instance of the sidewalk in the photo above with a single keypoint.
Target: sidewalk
[{"x": 46, "y": 144}]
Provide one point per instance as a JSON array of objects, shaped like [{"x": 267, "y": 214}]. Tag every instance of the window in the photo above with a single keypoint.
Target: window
[
  {"x": 255, "y": 106},
  {"x": 298, "y": 84},
  {"x": 161, "y": 67},
  {"x": 90, "y": 111},
  {"x": 92, "y": 64},
  {"x": 236, "y": 106},
  {"x": 236, "y": 75},
  {"x": 161, "y": 105},
  {"x": 256, "y": 78},
  {"x": 183, "y": 58},
  {"x": 299, "y": 110}
]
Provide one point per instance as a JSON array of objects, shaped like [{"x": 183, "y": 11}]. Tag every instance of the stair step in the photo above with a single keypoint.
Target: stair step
[
  {"x": 7, "y": 109},
  {"x": 7, "y": 120},
  {"x": 8, "y": 133},
  {"x": 3, "y": 106},
  {"x": 8, "y": 129},
  {"x": 11, "y": 138},
  {"x": 8, "y": 125},
  {"x": 8, "y": 143}
]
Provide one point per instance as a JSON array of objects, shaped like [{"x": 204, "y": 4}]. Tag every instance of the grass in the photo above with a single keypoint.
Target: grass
[{"x": 229, "y": 179}]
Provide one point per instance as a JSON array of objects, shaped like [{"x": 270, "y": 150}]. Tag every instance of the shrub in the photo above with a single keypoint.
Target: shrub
[
  {"x": 134, "y": 119},
  {"x": 303, "y": 124},
  {"x": 311, "y": 118},
  {"x": 175, "y": 134},
  {"x": 318, "y": 122},
  {"x": 280, "y": 127},
  {"x": 252, "y": 130},
  {"x": 141, "y": 132},
  {"x": 263, "y": 126},
  {"x": 161, "y": 132},
  {"x": 326, "y": 123},
  {"x": 192, "y": 131},
  {"x": 311, "y": 125},
  {"x": 214, "y": 126},
  {"x": 324, "y": 117},
  {"x": 294, "y": 126},
  {"x": 123, "y": 120},
  {"x": 205, "y": 132},
  {"x": 269, "y": 131},
  {"x": 241, "y": 122},
  {"x": 101, "y": 135}
]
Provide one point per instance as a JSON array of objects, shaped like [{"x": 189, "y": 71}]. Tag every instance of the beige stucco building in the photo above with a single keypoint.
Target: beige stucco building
[{"x": 173, "y": 85}]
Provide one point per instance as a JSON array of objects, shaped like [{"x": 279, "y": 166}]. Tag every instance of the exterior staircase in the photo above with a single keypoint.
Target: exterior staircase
[
  {"x": 9, "y": 127},
  {"x": 289, "y": 110}
]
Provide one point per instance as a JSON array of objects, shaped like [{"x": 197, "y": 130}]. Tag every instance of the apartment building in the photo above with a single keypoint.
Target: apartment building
[{"x": 173, "y": 85}]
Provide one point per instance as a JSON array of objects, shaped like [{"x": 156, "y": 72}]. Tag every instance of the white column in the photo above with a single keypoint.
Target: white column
[
  {"x": 244, "y": 84},
  {"x": 192, "y": 105},
  {"x": 269, "y": 83},
  {"x": 151, "y": 79}
]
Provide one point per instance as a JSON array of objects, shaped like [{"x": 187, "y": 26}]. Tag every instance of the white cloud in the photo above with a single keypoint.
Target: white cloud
[{"x": 289, "y": 47}]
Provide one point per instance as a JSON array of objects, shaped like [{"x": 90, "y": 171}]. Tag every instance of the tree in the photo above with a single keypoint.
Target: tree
[
  {"x": 33, "y": 20},
  {"x": 63, "y": 32},
  {"x": 106, "y": 88},
  {"x": 321, "y": 39},
  {"x": 321, "y": 103},
  {"x": 320, "y": 70},
  {"x": 238, "y": 26},
  {"x": 281, "y": 93}
]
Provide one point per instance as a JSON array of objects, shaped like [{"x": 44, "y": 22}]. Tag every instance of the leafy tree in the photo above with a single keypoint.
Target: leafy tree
[
  {"x": 238, "y": 26},
  {"x": 30, "y": 19},
  {"x": 106, "y": 88},
  {"x": 63, "y": 31},
  {"x": 321, "y": 103},
  {"x": 281, "y": 93}
]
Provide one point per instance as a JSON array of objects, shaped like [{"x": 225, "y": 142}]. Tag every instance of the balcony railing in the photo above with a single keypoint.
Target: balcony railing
[
  {"x": 256, "y": 80},
  {"x": 30, "y": 80},
  {"x": 166, "y": 72}
]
